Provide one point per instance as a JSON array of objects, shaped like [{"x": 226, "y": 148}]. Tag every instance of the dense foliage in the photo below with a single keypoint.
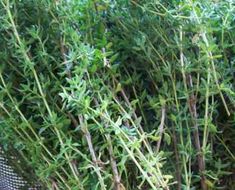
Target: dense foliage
[{"x": 118, "y": 94}]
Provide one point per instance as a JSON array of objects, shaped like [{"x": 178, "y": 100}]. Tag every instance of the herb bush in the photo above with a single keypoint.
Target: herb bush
[{"x": 120, "y": 94}]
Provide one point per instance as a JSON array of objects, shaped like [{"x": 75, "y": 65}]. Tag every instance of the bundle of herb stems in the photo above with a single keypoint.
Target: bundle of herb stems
[{"x": 120, "y": 94}]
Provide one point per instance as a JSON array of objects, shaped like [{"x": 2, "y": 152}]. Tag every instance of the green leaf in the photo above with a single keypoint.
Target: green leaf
[
  {"x": 212, "y": 128},
  {"x": 118, "y": 88},
  {"x": 167, "y": 138}
]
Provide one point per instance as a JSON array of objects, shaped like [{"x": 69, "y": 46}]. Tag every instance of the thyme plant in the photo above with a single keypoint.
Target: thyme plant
[{"x": 120, "y": 94}]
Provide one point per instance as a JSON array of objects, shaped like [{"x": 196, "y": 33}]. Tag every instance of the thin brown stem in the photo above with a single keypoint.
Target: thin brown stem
[
  {"x": 91, "y": 150},
  {"x": 161, "y": 127},
  {"x": 177, "y": 158},
  {"x": 193, "y": 110},
  {"x": 117, "y": 181}
]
